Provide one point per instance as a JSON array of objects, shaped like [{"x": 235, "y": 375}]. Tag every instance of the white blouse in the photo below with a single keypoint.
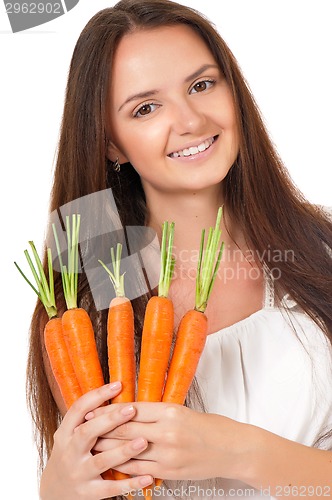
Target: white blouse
[{"x": 273, "y": 370}]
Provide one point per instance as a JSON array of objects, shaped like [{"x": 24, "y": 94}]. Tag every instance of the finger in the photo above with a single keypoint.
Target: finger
[
  {"x": 150, "y": 453},
  {"x": 87, "y": 433},
  {"x": 109, "y": 488},
  {"x": 111, "y": 459},
  {"x": 145, "y": 412},
  {"x": 131, "y": 430},
  {"x": 139, "y": 467},
  {"x": 89, "y": 402},
  {"x": 106, "y": 444},
  {"x": 154, "y": 412},
  {"x": 102, "y": 410}
]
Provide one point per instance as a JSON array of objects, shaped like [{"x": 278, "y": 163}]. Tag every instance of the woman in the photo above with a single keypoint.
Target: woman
[{"x": 157, "y": 110}]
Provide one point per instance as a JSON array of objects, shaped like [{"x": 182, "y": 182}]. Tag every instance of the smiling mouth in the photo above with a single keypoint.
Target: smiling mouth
[{"x": 194, "y": 150}]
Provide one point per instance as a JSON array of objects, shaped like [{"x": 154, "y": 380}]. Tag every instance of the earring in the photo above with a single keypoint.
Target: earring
[{"x": 116, "y": 165}]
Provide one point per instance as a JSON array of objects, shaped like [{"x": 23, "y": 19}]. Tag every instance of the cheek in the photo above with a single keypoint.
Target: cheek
[
  {"x": 144, "y": 142},
  {"x": 229, "y": 125},
  {"x": 234, "y": 137},
  {"x": 225, "y": 109},
  {"x": 228, "y": 115}
]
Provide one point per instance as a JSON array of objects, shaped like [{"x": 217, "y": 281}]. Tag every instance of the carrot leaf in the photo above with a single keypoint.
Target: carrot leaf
[
  {"x": 116, "y": 277},
  {"x": 69, "y": 271},
  {"x": 45, "y": 289},
  {"x": 166, "y": 258},
  {"x": 208, "y": 264}
]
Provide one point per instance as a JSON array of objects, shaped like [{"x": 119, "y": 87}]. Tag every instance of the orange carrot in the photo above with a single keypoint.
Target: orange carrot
[
  {"x": 120, "y": 338},
  {"x": 80, "y": 340},
  {"x": 192, "y": 331},
  {"x": 193, "y": 327},
  {"x": 120, "y": 334},
  {"x": 157, "y": 331},
  {"x": 76, "y": 323},
  {"x": 121, "y": 354},
  {"x": 157, "y": 328},
  {"x": 60, "y": 362},
  {"x": 155, "y": 349},
  {"x": 120, "y": 345},
  {"x": 189, "y": 345},
  {"x": 53, "y": 333}
]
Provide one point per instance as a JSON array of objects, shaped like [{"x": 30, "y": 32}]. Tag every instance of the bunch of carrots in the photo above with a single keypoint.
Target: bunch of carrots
[{"x": 70, "y": 341}]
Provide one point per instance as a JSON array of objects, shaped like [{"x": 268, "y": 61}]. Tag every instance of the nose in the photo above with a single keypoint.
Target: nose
[{"x": 187, "y": 117}]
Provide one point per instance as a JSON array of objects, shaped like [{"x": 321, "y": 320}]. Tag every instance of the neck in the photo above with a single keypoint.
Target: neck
[{"x": 191, "y": 212}]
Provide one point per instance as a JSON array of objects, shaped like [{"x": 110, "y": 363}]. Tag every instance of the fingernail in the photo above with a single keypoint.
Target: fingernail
[
  {"x": 139, "y": 444},
  {"x": 127, "y": 410},
  {"x": 89, "y": 415},
  {"x": 145, "y": 480},
  {"x": 115, "y": 386}
]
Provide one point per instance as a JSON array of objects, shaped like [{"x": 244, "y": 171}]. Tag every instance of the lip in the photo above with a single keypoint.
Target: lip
[{"x": 196, "y": 156}]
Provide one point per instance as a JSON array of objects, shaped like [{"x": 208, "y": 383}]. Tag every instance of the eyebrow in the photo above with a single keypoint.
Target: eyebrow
[{"x": 150, "y": 93}]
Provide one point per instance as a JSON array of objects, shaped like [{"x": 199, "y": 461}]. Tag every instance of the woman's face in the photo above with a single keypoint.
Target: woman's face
[{"x": 171, "y": 111}]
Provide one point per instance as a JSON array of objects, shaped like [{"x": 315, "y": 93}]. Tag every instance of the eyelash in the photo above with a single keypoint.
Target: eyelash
[
  {"x": 136, "y": 113},
  {"x": 206, "y": 80}
]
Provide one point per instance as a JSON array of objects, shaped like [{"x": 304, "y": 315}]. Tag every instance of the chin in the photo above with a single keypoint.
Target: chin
[{"x": 206, "y": 184}]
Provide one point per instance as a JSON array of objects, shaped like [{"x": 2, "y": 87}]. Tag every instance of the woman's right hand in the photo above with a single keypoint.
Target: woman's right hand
[{"x": 72, "y": 471}]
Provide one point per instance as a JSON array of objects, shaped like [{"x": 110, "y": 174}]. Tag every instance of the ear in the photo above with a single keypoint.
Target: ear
[{"x": 113, "y": 152}]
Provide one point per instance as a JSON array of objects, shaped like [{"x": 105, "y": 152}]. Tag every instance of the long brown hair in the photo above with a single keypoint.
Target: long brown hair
[{"x": 259, "y": 194}]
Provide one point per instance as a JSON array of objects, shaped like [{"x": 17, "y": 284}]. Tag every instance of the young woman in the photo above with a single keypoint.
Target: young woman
[{"x": 153, "y": 88}]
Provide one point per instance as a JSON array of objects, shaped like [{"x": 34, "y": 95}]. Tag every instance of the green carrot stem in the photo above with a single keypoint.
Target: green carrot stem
[
  {"x": 69, "y": 272},
  {"x": 208, "y": 264},
  {"x": 115, "y": 276},
  {"x": 45, "y": 289},
  {"x": 167, "y": 261}
]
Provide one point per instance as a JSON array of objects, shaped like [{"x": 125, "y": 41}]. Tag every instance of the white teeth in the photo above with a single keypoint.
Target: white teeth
[{"x": 194, "y": 150}]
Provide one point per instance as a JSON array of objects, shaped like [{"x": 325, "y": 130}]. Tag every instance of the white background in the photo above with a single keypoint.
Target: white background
[{"x": 284, "y": 50}]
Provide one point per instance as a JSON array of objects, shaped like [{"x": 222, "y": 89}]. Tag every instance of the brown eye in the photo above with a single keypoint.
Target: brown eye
[
  {"x": 145, "y": 110},
  {"x": 200, "y": 86}
]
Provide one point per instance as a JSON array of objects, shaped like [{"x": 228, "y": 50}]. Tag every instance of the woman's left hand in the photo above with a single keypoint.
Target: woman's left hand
[{"x": 183, "y": 443}]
